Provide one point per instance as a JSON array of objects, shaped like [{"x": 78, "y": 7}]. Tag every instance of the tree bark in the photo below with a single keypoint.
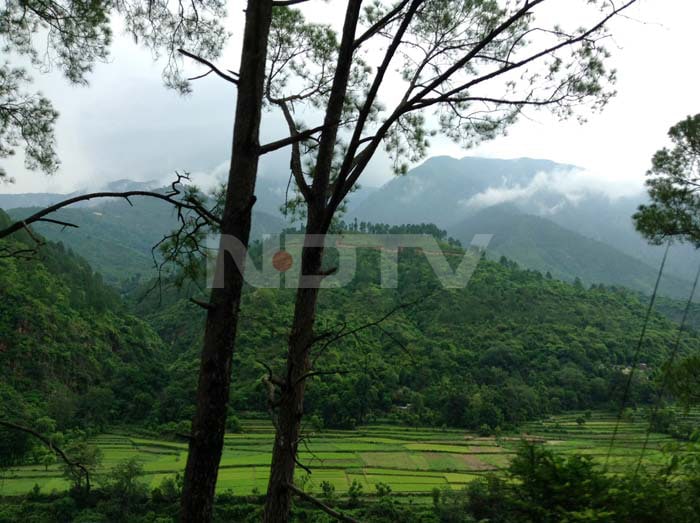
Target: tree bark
[
  {"x": 209, "y": 423},
  {"x": 291, "y": 408}
]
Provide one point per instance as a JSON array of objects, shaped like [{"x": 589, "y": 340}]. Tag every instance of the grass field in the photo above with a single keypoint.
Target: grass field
[{"x": 410, "y": 460}]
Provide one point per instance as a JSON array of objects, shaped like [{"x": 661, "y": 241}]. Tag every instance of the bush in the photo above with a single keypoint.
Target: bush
[
  {"x": 328, "y": 490},
  {"x": 233, "y": 424},
  {"x": 169, "y": 490},
  {"x": 354, "y": 493},
  {"x": 383, "y": 490},
  {"x": 126, "y": 489}
]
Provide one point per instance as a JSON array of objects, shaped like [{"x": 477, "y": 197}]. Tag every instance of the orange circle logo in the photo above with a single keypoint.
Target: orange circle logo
[{"x": 282, "y": 261}]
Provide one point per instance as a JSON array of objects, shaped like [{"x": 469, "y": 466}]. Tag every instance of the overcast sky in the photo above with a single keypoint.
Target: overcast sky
[{"x": 127, "y": 125}]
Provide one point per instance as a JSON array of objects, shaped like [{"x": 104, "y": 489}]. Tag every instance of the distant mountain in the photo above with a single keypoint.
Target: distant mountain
[
  {"x": 44, "y": 199},
  {"x": 446, "y": 191},
  {"x": 610, "y": 221},
  {"x": 39, "y": 199},
  {"x": 272, "y": 192},
  {"x": 131, "y": 185},
  {"x": 117, "y": 238},
  {"x": 450, "y": 192},
  {"x": 541, "y": 244},
  {"x": 438, "y": 191}
]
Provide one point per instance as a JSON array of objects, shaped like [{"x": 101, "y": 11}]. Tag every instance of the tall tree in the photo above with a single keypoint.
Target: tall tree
[
  {"x": 209, "y": 423},
  {"x": 165, "y": 31},
  {"x": 674, "y": 188},
  {"x": 467, "y": 69},
  {"x": 78, "y": 34}
]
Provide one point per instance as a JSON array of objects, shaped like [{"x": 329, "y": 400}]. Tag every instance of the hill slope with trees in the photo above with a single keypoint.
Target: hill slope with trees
[
  {"x": 513, "y": 345},
  {"x": 69, "y": 350}
]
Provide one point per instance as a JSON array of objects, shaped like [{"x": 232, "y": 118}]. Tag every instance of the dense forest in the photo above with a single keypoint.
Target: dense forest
[
  {"x": 71, "y": 354},
  {"x": 512, "y": 346}
]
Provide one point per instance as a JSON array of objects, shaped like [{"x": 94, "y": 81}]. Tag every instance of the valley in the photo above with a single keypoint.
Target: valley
[{"x": 412, "y": 461}]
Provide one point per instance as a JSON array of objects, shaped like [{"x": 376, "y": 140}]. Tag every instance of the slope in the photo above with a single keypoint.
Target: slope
[
  {"x": 69, "y": 350},
  {"x": 540, "y": 244},
  {"x": 116, "y": 238},
  {"x": 513, "y": 345}
]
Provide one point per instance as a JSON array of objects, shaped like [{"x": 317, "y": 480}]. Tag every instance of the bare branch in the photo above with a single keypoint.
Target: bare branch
[
  {"x": 299, "y": 463},
  {"x": 325, "y": 508},
  {"x": 270, "y": 375},
  {"x": 169, "y": 197},
  {"x": 52, "y": 447},
  {"x": 211, "y": 66},
  {"x": 59, "y": 222},
  {"x": 342, "y": 333},
  {"x": 311, "y": 374},
  {"x": 371, "y": 96},
  {"x": 380, "y": 24},
  {"x": 514, "y": 65},
  {"x": 284, "y": 142},
  {"x": 295, "y": 160},
  {"x": 360, "y": 161},
  {"x": 202, "y": 304}
]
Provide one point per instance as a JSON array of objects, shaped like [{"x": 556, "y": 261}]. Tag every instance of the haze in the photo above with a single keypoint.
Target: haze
[{"x": 127, "y": 125}]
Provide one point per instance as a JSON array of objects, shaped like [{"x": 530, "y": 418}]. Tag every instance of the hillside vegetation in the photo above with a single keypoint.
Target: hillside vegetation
[
  {"x": 511, "y": 346},
  {"x": 70, "y": 352}
]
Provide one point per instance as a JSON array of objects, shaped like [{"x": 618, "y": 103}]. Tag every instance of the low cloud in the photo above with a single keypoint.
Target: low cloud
[{"x": 551, "y": 190}]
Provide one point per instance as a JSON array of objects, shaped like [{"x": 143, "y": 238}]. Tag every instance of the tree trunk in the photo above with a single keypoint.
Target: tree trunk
[
  {"x": 209, "y": 423},
  {"x": 291, "y": 408}
]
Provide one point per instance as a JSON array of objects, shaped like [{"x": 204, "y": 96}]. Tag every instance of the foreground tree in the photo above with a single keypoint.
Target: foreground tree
[
  {"x": 209, "y": 423},
  {"x": 164, "y": 30},
  {"x": 674, "y": 188},
  {"x": 78, "y": 34},
  {"x": 466, "y": 68}
]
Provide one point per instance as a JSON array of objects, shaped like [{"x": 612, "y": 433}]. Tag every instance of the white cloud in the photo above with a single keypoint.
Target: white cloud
[{"x": 568, "y": 185}]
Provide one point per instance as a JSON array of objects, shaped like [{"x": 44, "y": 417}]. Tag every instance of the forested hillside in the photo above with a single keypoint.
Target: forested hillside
[
  {"x": 550, "y": 208},
  {"x": 70, "y": 351},
  {"x": 322, "y": 289},
  {"x": 513, "y": 345},
  {"x": 541, "y": 244}
]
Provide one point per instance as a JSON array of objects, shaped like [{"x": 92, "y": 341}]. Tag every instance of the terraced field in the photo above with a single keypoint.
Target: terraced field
[{"x": 410, "y": 460}]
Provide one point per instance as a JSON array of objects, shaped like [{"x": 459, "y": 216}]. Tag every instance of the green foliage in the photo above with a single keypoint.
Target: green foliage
[
  {"x": 354, "y": 492},
  {"x": 27, "y": 118},
  {"x": 683, "y": 378},
  {"x": 169, "y": 490},
  {"x": 510, "y": 347},
  {"x": 71, "y": 35},
  {"x": 383, "y": 490},
  {"x": 544, "y": 487},
  {"x": 328, "y": 490},
  {"x": 70, "y": 355},
  {"x": 233, "y": 424},
  {"x": 126, "y": 489},
  {"x": 89, "y": 456},
  {"x": 77, "y": 34},
  {"x": 673, "y": 187}
]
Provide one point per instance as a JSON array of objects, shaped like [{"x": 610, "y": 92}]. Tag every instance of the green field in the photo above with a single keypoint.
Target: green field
[{"x": 410, "y": 460}]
